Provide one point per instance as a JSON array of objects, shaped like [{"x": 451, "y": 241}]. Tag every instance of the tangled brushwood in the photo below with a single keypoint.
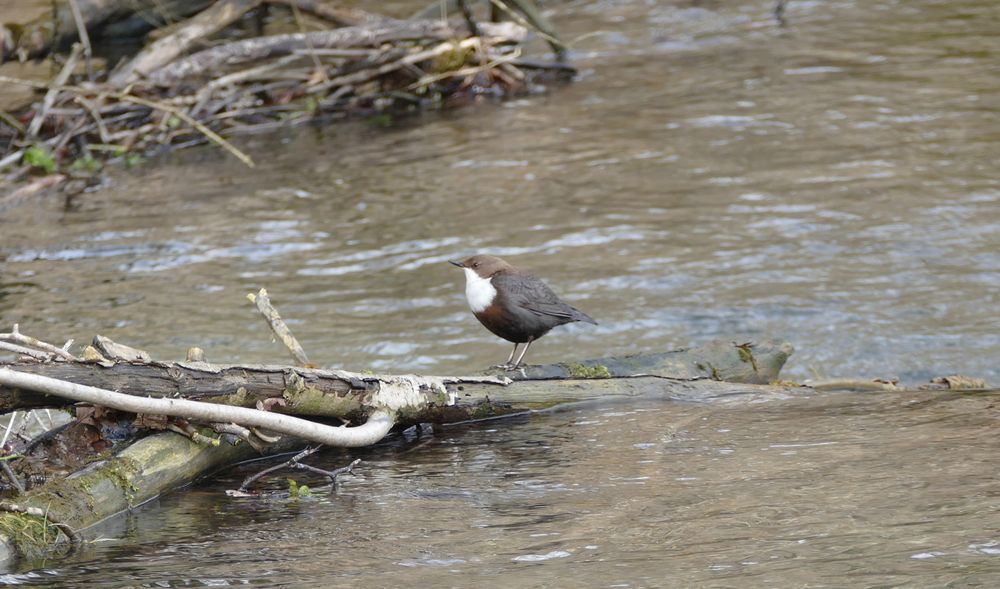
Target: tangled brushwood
[{"x": 169, "y": 95}]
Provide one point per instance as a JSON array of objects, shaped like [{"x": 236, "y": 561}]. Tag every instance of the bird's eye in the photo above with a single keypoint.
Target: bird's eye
[{"x": 475, "y": 264}]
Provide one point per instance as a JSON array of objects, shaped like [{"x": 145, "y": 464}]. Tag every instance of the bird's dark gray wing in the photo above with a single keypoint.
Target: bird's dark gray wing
[{"x": 534, "y": 295}]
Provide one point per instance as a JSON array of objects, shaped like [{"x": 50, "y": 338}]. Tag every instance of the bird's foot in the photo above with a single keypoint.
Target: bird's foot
[{"x": 508, "y": 366}]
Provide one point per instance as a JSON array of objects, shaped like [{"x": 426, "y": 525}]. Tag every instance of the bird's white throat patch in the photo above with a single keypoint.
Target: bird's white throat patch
[{"x": 479, "y": 291}]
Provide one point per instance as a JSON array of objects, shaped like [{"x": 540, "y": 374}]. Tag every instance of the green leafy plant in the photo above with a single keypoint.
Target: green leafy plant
[
  {"x": 86, "y": 164},
  {"x": 38, "y": 157},
  {"x": 133, "y": 159},
  {"x": 296, "y": 490}
]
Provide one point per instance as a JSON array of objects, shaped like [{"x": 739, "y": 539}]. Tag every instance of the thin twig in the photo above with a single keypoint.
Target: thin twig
[
  {"x": 469, "y": 20},
  {"x": 11, "y": 476},
  {"x": 38, "y": 355},
  {"x": 194, "y": 435},
  {"x": 81, "y": 30},
  {"x": 467, "y": 71},
  {"x": 38, "y": 419},
  {"x": 212, "y": 135},
  {"x": 416, "y": 57},
  {"x": 12, "y": 121},
  {"x": 297, "y": 15},
  {"x": 11, "y": 159},
  {"x": 101, "y": 127},
  {"x": 65, "y": 136},
  {"x": 332, "y": 474},
  {"x": 336, "y": 95},
  {"x": 369, "y": 53},
  {"x": 278, "y": 326},
  {"x": 33, "y": 83},
  {"x": 50, "y": 96},
  {"x": 62, "y": 111},
  {"x": 240, "y": 76},
  {"x": 8, "y": 428},
  {"x": 242, "y": 433},
  {"x": 16, "y": 336},
  {"x": 538, "y": 22},
  {"x": 340, "y": 15},
  {"x": 293, "y": 460},
  {"x": 263, "y": 110},
  {"x": 231, "y": 429}
]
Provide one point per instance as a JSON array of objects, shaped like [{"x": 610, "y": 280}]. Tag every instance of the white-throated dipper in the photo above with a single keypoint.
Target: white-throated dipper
[{"x": 513, "y": 304}]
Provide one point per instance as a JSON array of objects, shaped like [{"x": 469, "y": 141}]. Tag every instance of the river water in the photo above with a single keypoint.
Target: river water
[{"x": 710, "y": 175}]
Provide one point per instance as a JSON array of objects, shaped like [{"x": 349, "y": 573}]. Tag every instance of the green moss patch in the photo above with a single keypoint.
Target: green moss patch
[{"x": 582, "y": 371}]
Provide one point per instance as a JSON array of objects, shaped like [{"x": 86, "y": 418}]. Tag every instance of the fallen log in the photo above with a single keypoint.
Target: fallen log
[
  {"x": 347, "y": 395},
  {"x": 53, "y": 515},
  {"x": 48, "y": 520}
]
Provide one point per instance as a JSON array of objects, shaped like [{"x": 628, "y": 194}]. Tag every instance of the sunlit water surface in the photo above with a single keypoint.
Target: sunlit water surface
[{"x": 710, "y": 174}]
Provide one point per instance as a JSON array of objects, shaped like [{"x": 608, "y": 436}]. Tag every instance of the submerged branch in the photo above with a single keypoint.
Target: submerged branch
[{"x": 293, "y": 460}]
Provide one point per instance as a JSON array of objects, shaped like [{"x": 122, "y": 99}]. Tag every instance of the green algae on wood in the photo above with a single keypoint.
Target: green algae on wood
[
  {"x": 587, "y": 371},
  {"x": 303, "y": 399},
  {"x": 141, "y": 472},
  {"x": 751, "y": 362}
]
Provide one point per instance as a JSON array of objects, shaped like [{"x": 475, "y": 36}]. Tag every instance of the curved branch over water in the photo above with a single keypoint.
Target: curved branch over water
[{"x": 378, "y": 425}]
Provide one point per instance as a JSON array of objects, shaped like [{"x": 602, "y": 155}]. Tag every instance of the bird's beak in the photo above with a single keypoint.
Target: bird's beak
[{"x": 459, "y": 264}]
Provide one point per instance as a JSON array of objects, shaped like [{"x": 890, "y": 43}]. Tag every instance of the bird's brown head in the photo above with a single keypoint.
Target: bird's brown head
[{"x": 485, "y": 266}]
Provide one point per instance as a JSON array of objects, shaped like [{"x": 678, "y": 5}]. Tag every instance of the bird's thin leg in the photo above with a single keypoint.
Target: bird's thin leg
[
  {"x": 521, "y": 357},
  {"x": 506, "y": 364}
]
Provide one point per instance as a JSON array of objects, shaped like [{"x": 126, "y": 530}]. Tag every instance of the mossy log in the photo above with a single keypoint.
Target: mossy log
[
  {"x": 139, "y": 473},
  {"x": 313, "y": 392},
  {"x": 49, "y": 517}
]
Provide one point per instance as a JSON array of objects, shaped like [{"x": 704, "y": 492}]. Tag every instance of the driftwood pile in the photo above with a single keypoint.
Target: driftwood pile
[{"x": 177, "y": 91}]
